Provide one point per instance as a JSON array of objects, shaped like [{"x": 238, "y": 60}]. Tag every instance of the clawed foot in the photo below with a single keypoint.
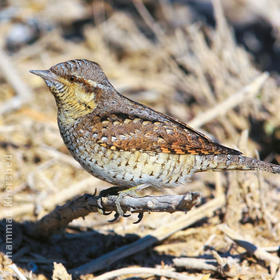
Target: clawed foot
[
  {"x": 140, "y": 217},
  {"x": 117, "y": 215},
  {"x": 120, "y": 195},
  {"x": 104, "y": 193}
]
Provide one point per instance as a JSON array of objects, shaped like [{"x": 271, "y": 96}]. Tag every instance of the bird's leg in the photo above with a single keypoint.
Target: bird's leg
[
  {"x": 104, "y": 193},
  {"x": 120, "y": 193},
  {"x": 128, "y": 192}
]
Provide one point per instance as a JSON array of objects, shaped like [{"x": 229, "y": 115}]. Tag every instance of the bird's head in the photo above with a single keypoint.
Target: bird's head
[{"x": 76, "y": 85}]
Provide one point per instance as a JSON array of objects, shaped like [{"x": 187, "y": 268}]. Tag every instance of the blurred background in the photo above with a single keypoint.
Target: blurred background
[{"x": 197, "y": 61}]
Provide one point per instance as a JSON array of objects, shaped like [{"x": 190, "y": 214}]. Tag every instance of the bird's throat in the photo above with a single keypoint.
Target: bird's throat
[{"x": 71, "y": 108}]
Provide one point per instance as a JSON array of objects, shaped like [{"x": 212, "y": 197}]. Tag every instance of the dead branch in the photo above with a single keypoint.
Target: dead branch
[
  {"x": 149, "y": 240},
  {"x": 52, "y": 200},
  {"x": 61, "y": 216}
]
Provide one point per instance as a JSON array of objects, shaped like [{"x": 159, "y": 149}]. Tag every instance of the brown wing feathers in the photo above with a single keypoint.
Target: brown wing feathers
[{"x": 123, "y": 132}]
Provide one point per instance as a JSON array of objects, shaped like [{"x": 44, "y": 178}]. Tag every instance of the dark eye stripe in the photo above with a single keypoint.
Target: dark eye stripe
[
  {"x": 74, "y": 78},
  {"x": 88, "y": 87}
]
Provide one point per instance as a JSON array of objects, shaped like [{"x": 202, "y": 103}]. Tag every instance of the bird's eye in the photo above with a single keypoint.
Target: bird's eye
[{"x": 72, "y": 78}]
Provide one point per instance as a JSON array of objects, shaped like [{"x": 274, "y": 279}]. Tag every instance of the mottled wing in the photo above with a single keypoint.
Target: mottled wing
[{"x": 128, "y": 133}]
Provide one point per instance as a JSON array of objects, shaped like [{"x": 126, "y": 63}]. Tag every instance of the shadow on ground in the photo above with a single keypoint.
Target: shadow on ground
[{"x": 71, "y": 249}]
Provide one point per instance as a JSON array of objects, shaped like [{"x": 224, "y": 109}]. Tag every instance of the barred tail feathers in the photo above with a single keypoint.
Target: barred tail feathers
[{"x": 233, "y": 162}]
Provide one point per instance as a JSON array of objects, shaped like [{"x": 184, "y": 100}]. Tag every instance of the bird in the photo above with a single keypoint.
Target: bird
[{"x": 126, "y": 143}]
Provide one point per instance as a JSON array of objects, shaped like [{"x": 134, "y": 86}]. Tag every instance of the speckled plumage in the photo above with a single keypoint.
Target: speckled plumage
[{"x": 126, "y": 143}]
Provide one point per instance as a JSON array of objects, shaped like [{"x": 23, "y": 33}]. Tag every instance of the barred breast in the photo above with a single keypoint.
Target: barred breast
[{"x": 126, "y": 168}]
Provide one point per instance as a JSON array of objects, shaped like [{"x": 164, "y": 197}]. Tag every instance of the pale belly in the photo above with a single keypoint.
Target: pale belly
[{"x": 126, "y": 169}]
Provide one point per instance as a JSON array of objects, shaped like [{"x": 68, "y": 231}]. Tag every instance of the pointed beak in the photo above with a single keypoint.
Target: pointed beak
[
  {"x": 50, "y": 78},
  {"x": 45, "y": 74}
]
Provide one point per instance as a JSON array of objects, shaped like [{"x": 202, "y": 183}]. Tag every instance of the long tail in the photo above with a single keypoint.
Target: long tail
[{"x": 233, "y": 162}]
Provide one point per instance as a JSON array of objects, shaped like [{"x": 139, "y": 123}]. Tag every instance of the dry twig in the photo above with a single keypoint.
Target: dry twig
[
  {"x": 224, "y": 266},
  {"x": 17, "y": 271},
  {"x": 144, "y": 270},
  {"x": 251, "y": 248},
  {"x": 53, "y": 200},
  {"x": 222, "y": 108},
  {"x": 82, "y": 206},
  {"x": 148, "y": 19},
  {"x": 196, "y": 264}
]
